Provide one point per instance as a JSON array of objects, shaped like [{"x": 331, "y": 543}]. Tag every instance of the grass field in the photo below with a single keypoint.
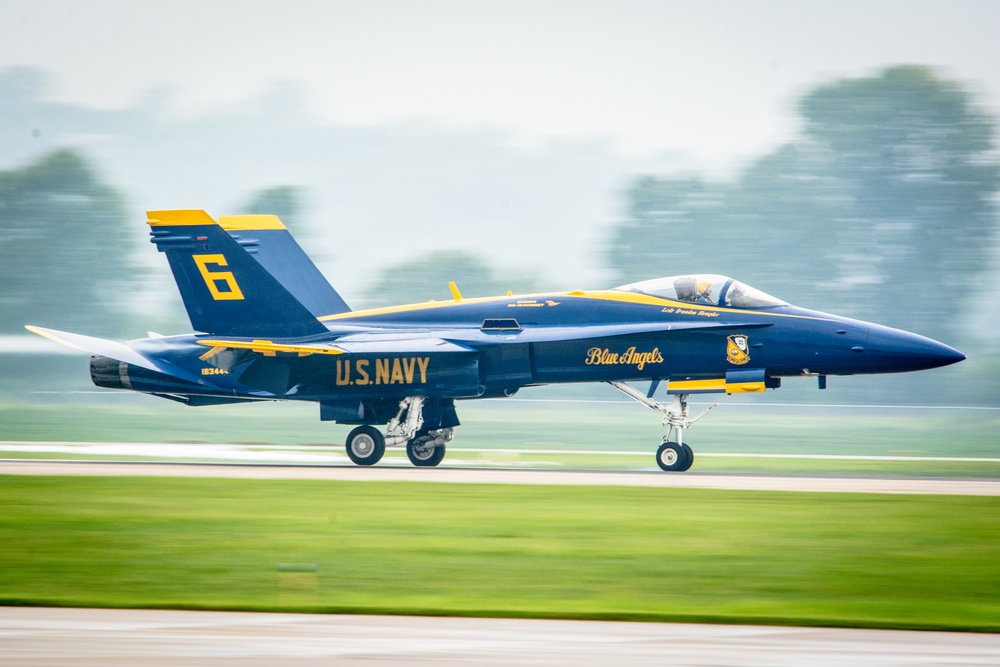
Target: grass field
[
  {"x": 548, "y": 434},
  {"x": 614, "y": 553}
]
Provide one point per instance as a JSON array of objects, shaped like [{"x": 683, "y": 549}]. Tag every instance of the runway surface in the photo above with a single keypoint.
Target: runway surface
[
  {"x": 384, "y": 473},
  {"x": 84, "y": 637}
]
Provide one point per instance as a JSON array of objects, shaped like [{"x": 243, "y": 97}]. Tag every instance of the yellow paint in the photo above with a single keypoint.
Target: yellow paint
[
  {"x": 211, "y": 353},
  {"x": 667, "y": 306},
  {"x": 214, "y": 371},
  {"x": 211, "y": 277},
  {"x": 239, "y": 223},
  {"x": 454, "y": 292},
  {"x": 597, "y": 356},
  {"x": 745, "y": 388},
  {"x": 266, "y": 346},
  {"x": 381, "y": 371},
  {"x": 388, "y": 370},
  {"x": 737, "y": 349},
  {"x": 186, "y": 218},
  {"x": 715, "y": 384},
  {"x": 680, "y": 386}
]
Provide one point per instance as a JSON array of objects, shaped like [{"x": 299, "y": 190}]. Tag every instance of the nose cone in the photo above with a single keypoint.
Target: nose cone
[{"x": 896, "y": 351}]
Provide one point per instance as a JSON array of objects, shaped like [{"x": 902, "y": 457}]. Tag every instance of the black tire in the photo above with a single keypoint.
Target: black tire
[
  {"x": 689, "y": 453},
  {"x": 365, "y": 445},
  {"x": 423, "y": 457},
  {"x": 671, "y": 457}
]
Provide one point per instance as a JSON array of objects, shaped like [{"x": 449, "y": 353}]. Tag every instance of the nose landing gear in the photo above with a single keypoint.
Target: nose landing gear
[{"x": 672, "y": 455}]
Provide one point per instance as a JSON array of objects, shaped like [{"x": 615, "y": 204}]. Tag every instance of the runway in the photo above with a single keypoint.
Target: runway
[
  {"x": 49, "y": 637},
  {"x": 444, "y": 474}
]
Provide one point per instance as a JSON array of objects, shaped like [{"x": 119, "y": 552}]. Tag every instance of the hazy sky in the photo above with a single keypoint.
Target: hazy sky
[{"x": 713, "y": 79}]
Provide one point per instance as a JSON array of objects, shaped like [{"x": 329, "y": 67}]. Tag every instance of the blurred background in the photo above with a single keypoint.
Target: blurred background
[{"x": 841, "y": 156}]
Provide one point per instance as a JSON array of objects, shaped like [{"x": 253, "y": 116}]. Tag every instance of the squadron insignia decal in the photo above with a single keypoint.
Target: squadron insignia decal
[{"x": 738, "y": 349}]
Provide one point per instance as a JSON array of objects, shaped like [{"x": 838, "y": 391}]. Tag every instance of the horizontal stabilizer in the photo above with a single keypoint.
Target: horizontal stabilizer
[
  {"x": 113, "y": 350},
  {"x": 99, "y": 346}
]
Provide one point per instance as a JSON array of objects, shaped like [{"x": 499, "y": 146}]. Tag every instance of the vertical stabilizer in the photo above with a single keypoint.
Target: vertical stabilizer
[
  {"x": 272, "y": 245},
  {"x": 225, "y": 290}
]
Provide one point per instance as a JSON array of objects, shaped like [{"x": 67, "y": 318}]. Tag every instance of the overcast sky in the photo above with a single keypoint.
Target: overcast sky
[{"x": 713, "y": 79}]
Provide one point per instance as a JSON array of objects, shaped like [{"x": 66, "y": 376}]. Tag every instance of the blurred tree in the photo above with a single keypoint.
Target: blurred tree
[
  {"x": 284, "y": 201},
  {"x": 911, "y": 156},
  {"x": 428, "y": 277},
  {"x": 885, "y": 208},
  {"x": 64, "y": 251}
]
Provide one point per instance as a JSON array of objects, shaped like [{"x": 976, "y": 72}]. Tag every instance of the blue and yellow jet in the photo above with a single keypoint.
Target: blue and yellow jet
[{"x": 272, "y": 328}]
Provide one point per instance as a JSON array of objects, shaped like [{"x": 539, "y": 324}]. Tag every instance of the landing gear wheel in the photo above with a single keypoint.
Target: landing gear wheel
[
  {"x": 365, "y": 445},
  {"x": 672, "y": 457},
  {"x": 689, "y": 454},
  {"x": 422, "y": 451}
]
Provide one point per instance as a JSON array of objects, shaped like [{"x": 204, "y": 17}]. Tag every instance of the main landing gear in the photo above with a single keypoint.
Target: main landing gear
[
  {"x": 672, "y": 455},
  {"x": 424, "y": 447}
]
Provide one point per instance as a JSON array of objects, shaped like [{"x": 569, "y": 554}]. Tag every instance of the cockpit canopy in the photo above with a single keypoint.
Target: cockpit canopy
[{"x": 705, "y": 288}]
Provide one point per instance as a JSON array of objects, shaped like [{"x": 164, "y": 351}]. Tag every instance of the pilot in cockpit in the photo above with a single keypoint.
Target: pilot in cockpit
[
  {"x": 692, "y": 290},
  {"x": 704, "y": 292}
]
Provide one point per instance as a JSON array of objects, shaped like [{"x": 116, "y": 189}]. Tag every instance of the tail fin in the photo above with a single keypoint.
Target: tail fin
[
  {"x": 270, "y": 243},
  {"x": 226, "y": 291}
]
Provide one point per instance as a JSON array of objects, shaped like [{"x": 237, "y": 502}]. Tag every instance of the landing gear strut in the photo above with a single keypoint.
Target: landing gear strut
[
  {"x": 424, "y": 447},
  {"x": 672, "y": 455}
]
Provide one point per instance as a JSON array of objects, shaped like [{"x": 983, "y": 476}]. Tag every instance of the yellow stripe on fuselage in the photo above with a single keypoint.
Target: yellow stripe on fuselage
[{"x": 606, "y": 295}]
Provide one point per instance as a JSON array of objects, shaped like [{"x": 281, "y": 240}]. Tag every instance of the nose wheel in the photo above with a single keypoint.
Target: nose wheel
[{"x": 674, "y": 457}]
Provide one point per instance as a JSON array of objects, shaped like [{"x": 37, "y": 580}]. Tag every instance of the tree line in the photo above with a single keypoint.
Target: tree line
[{"x": 884, "y": 208}]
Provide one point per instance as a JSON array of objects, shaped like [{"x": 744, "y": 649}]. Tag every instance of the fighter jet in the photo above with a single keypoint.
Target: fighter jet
[{"x": 268, "y": 326}]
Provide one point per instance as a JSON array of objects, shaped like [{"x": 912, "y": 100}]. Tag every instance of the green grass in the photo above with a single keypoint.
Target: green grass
[
  {"x": 613, "y": 553},
  {"x": 519, "y": 428}
]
